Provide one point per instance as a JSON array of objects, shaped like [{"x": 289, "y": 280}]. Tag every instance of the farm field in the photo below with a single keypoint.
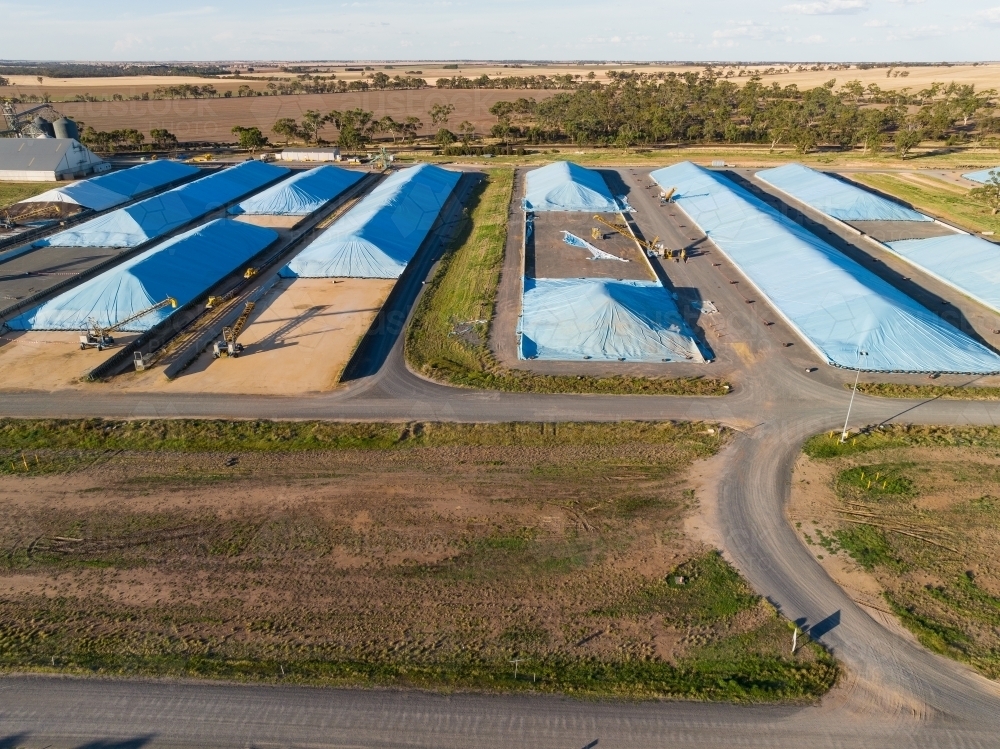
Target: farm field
[
  {"x": 983, "y": 76},
  {"x": 907, "y": 521},
  {"x": 374, "y": 554},
  {"x": 212, "y": 120}
]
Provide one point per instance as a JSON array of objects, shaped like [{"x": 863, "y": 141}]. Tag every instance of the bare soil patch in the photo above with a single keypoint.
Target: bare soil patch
[
  {"x": 298, "y": 340},
  {"x": 913, "y": 532},
  {"x": 431, "y": 561}
]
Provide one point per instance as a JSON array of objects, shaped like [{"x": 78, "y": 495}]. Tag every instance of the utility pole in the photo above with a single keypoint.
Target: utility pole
[{"x": 843, "y": 433}]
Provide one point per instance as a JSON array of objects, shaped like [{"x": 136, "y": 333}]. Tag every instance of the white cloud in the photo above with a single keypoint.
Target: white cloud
[
  {"x": 906, "y": 2},
  {"x": 814, "y": 39},
  {"x": 915, "y": 32},
  {"x": 742, "y": 29},
  {"x": 127, "y": 42},
  {"x": 875, "y": 23},
  {"x": 827, "y": 7},
  {"x": 990, "y": 15}
]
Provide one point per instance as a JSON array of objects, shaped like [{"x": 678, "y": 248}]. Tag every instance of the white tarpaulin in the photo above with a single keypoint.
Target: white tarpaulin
[
  {"x": 966, "y": 263},
  {"x": 565, "y": 186},
  {"x": 836, "y": 198},
  {"x": 850, "y": 316},
  {"x": 573, "y": 319},
  {"x": 382, "y": 233}
]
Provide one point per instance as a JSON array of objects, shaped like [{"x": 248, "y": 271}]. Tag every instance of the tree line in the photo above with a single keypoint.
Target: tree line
[{"x": 637, "y": 109}]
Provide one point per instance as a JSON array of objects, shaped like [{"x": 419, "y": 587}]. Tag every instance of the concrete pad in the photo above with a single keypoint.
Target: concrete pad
[
  {"x": 299, "y": 339},
  {"x": 49, "y": 360},
  {"x": 548, "y": 256},
  {"x": 271, "y": 221}
]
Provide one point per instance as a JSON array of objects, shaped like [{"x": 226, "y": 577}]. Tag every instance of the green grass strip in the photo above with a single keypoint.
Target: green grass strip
[
  {"x": 948, "y": 392},
  {"x": 828, "y": 445},
  {"x": 944, "y": 203},
  {"x": 195, "y": 435},
  {"x": 14, "y": 192}
]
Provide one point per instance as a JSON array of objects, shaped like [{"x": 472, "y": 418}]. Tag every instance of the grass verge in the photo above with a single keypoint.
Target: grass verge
[
  {"x": 448, "y": 337},
  {"x": 917, "y": 509},
  {"x": 14, "y": 192},
  {"x": 828, "y": 445},
  {"x": 430, "y": 555},
  {"x": 948, "y": 392},
  {"x": 944, "y": 203}
]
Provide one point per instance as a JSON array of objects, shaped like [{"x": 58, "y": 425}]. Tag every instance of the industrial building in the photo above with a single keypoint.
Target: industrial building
[
  {"x": 310, "y": 154},
  {"x": 47, "y": 160}
]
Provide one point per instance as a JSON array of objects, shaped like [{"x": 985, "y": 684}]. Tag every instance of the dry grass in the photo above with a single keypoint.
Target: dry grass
[
  {"x": 14, "y": 192},
  {"x": 424, "y": 555},
  {"x": 942, "y": 202},
  {"x": 922, "y": 519},
  {"x": 947, "y": 392}
]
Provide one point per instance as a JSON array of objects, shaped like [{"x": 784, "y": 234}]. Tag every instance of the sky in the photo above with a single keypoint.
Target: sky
[{"x": 617, "y": 30}]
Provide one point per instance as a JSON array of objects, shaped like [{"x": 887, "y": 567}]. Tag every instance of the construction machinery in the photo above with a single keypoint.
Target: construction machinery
[
  {"x": 215, "y": 301},
  {"x": 19, "y": 124},
  {"x": 100, "y": 337},
  {"x": 229, "y": 345},
  {"x": 655, "y": 247},
  {"x": 45, "y": 210},
  {"x": 382, "y": 160},
  {"x": 666, "y": 197}
]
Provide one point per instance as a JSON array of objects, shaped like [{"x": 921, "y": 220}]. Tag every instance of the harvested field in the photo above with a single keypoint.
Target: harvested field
[
  {"x": 298, "y": 340},
  {"x": 548, "y": 256},
  {"x": 983, "y": 76},
  {"x": 415, "y": 555},
  {"x": 907, "y": 520},
  {"x": 213, "y": 119},
  {"x": 49, "y": 360}
]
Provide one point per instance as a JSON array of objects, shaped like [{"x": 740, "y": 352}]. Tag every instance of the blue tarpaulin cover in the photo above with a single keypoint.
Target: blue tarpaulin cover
[
  {"x": 183, "y": 267},
  {"x": 835, "y": 197},
  {"x": 565, "y": 186},
  {"x": 109, "y": 190},
  {"x": 966, "y": 263},
  {"x": 835, "y": 304},
  {"x": 982, "y": 175},
  {"x": 571, "y": 319},
  {"x": 382, "y": 233},
  {"x": 160, "y": 214},
  {"x": 300, "y": 195}
]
